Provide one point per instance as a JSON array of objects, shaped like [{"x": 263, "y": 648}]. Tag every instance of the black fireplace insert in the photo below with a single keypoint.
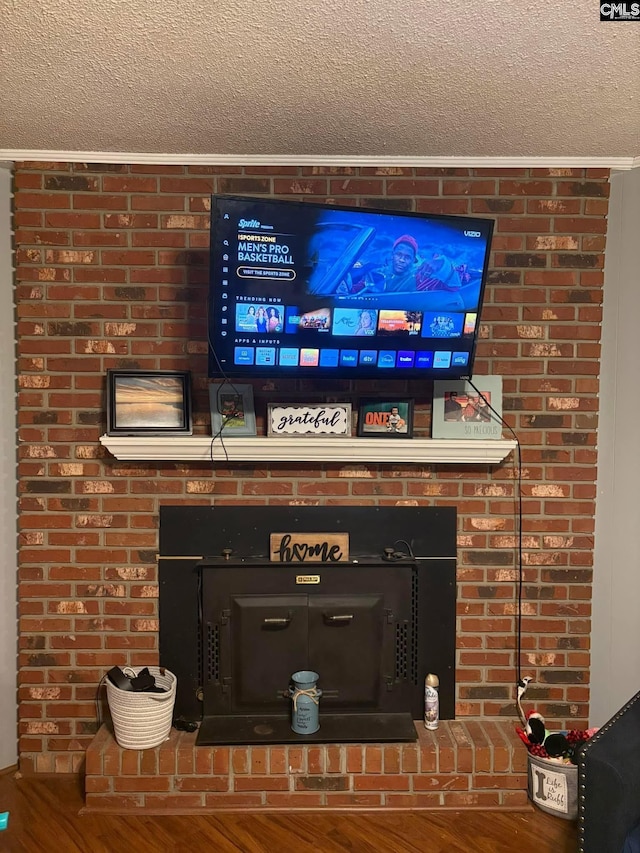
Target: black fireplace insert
[{"x": 234, "y": 625}]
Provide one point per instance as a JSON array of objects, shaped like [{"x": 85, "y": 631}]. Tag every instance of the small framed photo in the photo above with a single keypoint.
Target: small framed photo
[
  {"x": 232, "y": 411},
  {"x": 459, "y": 411},
  {"x": 149, "y": 402},
  {"x": 385, "y": 418}
]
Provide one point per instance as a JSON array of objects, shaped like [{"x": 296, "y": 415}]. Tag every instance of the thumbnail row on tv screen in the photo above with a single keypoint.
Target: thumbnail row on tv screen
[{"x": 325, "y": 290}]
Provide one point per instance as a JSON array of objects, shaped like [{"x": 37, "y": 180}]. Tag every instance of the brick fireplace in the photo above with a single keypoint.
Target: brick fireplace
[{"x": 111, "y": 270}]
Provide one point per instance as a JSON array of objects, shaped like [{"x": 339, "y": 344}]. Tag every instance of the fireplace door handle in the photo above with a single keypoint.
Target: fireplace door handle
[
  {"x": 276, "y": 621},
  {"x": 338, "y": 618}
]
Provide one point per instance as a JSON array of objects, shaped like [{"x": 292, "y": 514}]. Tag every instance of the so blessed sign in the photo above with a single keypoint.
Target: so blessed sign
[{"x": 326, "y": 420}]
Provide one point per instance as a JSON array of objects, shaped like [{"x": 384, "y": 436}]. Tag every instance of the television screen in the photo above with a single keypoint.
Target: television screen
[{"x": 313, "y": 290}]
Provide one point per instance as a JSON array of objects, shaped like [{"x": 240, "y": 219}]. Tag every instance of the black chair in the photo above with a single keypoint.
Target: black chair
[{"x": 609, "y": 783}]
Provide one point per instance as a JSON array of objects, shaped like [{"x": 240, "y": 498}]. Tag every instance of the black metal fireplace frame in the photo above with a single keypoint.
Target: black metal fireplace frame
[{"x": 193, "y": 537}]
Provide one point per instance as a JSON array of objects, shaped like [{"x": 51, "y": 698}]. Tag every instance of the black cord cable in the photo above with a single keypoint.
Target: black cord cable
[
  {"x": 407, "y": 546},
  {"x": 518, "y": 510},
  {"x": 226, "y": 381},
  {"x": 98, "y": 705}
]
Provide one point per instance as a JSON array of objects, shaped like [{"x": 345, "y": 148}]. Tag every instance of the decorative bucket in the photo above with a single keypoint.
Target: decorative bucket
[
  {"x": 553, "y": 786},
  {"x": 305, "y": 697},
  {"x": 142, "y": 720}
]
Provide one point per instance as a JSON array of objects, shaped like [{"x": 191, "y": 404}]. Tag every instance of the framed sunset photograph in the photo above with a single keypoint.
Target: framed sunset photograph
[{"x": 142, "y": 402}]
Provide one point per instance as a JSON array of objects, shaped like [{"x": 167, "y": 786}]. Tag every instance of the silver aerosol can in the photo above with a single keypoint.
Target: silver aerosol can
[{"x": 431, "y": 702}]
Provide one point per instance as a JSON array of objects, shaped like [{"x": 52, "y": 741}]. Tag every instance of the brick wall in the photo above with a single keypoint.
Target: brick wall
[{"x": 112, "y": 271}]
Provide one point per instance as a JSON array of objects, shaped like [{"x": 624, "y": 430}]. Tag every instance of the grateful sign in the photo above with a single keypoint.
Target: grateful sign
[{"x": 331, "y": 420}]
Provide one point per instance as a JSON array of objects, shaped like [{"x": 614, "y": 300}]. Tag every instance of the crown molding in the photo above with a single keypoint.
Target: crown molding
[{"x": 185, "y": 159}]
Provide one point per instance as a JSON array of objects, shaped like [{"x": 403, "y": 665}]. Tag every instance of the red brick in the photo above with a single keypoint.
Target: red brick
[
  {"x": 42, "y": 201},
  {"x": 470, "y": 188},
  {"x": 334, "y": 759},
  {"x": 382, "y": 783},
  {"x": 315, "y": 760},
  {"x": 240, "y": 759},
  {"x": 297, "y": 759},
  {"x": 355, "y": 760},
  {"x": 141, "y": 784},
  {"x": 261, "y": 783},
  {"x": 409, "y": 759},
  {"x": 232, "y": 801},
  {"x": 452, "y": 206},
  {"x": 413, "y": 801},
  {"x": 277, "y": 760},
  {"x": 471, "y": 800},
  {"x": 163, "y": 803},
  {"x": 202, "y": 783},
  {"x": 354, "y": 186},
  {"x": 401, "y": 186},
  {"x": 444, "y": 781},
  {"x": 115, "y": 804},
  {"x": 259, "y": 760},
  {"x": 297, "y": 800},
  {"x": 372, "y": 759},
  {"x": 539, "y": 188},
  {"x": 346, "y": 800},
  {"x": 391, "y": 756},
  {"x": 98, "y": 785}
]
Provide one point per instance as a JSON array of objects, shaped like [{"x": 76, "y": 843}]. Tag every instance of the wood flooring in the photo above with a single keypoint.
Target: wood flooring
[{"x": 44, "y": 818}]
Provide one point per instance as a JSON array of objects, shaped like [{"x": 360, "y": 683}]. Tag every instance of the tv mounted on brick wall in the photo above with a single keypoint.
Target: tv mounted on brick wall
[{"x": 317, "y": 290}]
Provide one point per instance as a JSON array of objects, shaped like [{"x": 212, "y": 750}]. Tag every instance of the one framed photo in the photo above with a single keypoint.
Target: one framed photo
[
  {"x": 232, "y": 411},
  {"x": 460, "y": 412},
  {"x": 149, "y": 402},
  {"x": 385, "y": 418}
]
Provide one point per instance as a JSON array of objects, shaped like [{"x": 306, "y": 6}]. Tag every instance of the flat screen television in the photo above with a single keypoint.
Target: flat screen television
[{"x": 317, "y": 290}]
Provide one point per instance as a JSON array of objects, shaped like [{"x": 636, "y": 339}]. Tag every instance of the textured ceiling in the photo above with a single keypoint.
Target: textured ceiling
[{"x": 467, "y": 78}]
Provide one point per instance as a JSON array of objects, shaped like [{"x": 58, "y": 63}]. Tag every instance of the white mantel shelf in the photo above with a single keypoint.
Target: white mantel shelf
[{"x": 319, "y": 449}]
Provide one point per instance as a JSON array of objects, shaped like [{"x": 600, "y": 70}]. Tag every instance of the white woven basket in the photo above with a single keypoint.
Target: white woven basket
[{"x": 142, "y": 720}]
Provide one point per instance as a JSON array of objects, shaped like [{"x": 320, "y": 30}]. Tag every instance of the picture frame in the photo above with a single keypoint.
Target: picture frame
[
  {"x": 458, "y": 410},
  {"x": 391, "y": 418},
  {"x": 149, "y": 402},
  {"x": 232, "y": 410},
  {"x": 329, "y": 420}
]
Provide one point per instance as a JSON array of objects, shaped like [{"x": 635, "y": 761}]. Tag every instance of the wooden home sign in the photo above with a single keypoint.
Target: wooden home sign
[{"x": 309, "y": 547}]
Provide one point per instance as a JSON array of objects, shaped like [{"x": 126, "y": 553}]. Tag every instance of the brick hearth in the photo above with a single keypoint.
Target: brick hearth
[{"x": 470, "y": 764}]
